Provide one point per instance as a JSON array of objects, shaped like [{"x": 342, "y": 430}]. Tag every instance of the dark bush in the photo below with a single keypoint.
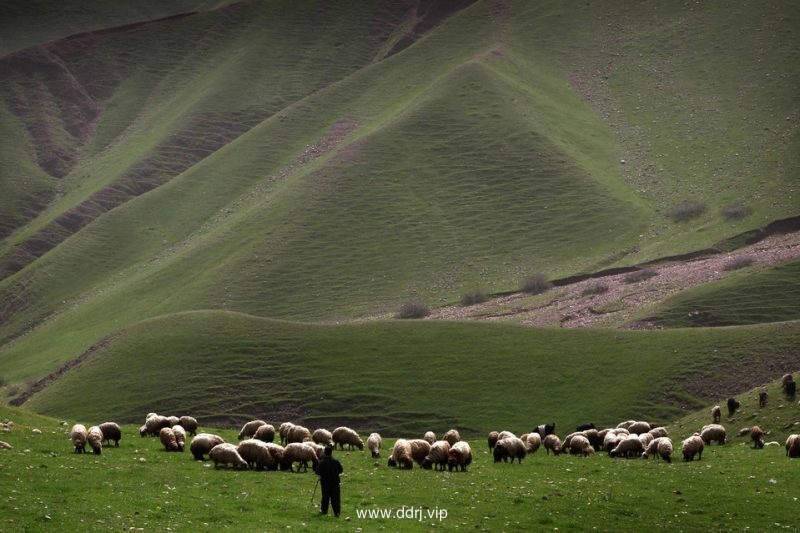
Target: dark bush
[
  {"x": 413, "y": 309},
  {"x": 686, "y": 210},
  {"x": 536, "y": 283},
  {"x": 473, "y": 297},
  {"x": 640, "y": 275},
  {"x": 736, "y": 211}
]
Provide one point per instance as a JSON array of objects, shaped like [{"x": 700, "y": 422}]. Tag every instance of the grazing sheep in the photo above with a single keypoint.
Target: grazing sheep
[
  {"x": 226, "y": 454},
  {"x": 401, "y": 455},
  {"x": 430, "y": 436},
  {"x": 78, "y": 435},
  {"x": 579, "y": 445},
  {"x": 283, "y": 431},
  {"x": 509, "y": 447},
  {"x": 692, "y": 446},
  {"x": 757, "y": 435},
  {"x": 639, "y": 427},
  {"x": 5, "y": 446},
  {"x": 533, "y": 442},
  {"x": 459, "y": 456},
  {"x": 374, "y": 444},
  {"x": 189, "y": 423},
  {"x": 716, "y": 414},
  {"x": 203, "y": 443},
  {"x": 713, "y": 433},
  {"x": 625, "y": 424},
  {"x": 95, "y": 439},
  {"x": 584, "y": 427},
  {"x": 438, "y": 456},
  {"x": 628, "y": 447},
  {"x": 143, "y": 430},
  {"x": 452, "y": 436},
  {"x": 612, "y": 438},
  {"x": 265, "y": 433},
  {"x": 552, "y": 442},
  {"x": 154, "y": 424},
  {"x": 322, "y": 436},
  {"x": 661, "y": 446},
  {"x": 173, "y": 420},
  {"x": 762, "y": 398},
  {"x": 180, "y": 436},
  {"x": 545, "y": 429},
  {"x": 168, "y": 439},
  {"x": 733, "y": 405},
  {"x": 111, "y": 431},
  {"x": 505, "y": 435},
  {"x": 276, "y": 450},
  {"x": 493, "y": 438},
  {"x": 298, "y": 434},
  {"x": 793, "y": 446},
  {"x": 344, "y": 435},
  {"x": 646, "y": 439},
  {"x": 249, "y": 429},
  {"x": 420, "y": 448},
  {"x": 659, "y": 431},
  {"x": 256, "y": 453},
  {"x": 789, "y": 386},
  {"x": 301, "y": 453},
  {"x": 566, "y": 442}
]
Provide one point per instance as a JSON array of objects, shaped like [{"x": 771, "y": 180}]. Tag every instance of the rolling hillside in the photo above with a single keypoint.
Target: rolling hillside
[{"x": 290, "y": 163}]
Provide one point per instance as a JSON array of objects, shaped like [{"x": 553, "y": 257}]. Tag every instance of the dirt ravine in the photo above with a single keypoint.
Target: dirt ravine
[{"x": 568, "y": 306}]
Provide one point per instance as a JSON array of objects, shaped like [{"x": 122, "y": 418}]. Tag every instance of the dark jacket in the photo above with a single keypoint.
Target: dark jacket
[{"x": 328, "y": 471}]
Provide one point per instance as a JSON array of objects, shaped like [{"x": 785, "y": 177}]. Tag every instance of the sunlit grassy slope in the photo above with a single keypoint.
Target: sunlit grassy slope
[
  {"x": 273, "y": 158},
  {"x": 404, "y": 376}
]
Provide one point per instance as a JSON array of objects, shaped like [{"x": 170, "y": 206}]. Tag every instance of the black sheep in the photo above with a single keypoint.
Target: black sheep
[{"x": 733, "y": 405}]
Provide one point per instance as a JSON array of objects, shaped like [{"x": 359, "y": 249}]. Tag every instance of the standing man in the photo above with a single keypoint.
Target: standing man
[{"x": 328, "y": 471}]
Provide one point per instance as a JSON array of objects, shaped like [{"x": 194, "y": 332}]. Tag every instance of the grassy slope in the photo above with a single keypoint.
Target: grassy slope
[
  {"x": 411, "y": 375},
  {"x": 752, "y": 296}
]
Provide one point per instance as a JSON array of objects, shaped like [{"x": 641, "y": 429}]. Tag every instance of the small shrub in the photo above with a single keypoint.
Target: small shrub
[
  {"x": 413, "y": 309},
  {"x": 736, "y": 211},
  {"x": 686, "y": 210},
  {"x": 595, "y": 288},
  {"x": 536, "y": 283},
  {"x": 640, "y": 275},
  {"x": 739, "y": 262},
  {"x": 473, "y": 297}
]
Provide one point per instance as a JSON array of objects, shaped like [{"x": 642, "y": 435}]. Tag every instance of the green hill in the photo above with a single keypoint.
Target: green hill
[{"x": 321, "y": 162}]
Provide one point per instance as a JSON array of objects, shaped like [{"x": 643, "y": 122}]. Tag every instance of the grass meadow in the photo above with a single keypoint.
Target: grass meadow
[{"x": 140, "y": 487}]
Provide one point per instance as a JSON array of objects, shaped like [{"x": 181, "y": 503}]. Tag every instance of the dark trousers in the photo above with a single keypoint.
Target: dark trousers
[{"x": 330, "y": 493}]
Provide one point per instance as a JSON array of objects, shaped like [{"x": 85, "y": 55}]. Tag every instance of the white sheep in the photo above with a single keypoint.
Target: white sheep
[
  {"x": 510, "y": 447},
  {"x": 420, "y": 448},
  {"x": 579, "y": 445},
  {"x": 283, "y": 431},
  {"x": 430, "y": 436},
  {"x": 452, "y": 436},
  {"x": 692, "y": 446},
  {"x": 646, "y": 438},
  {"x": 459, "y": 456},
  {"x": 173, "y": 420},
  {"x": 322, "y": 436},
  {"x": 203, "y": 443},
  {"x": 533, "y": 442},
  {"x": 111, "y": 431},
  {"x": 78, "y": 436},
  {"x": 552, "y": 443},
  {"x": 659, "y": 431},
  {"x": 189, "y": 423},
  {"x": 301, "y": 453},
  {"x": 438, "y": 456},
  {"x": 713, "y": 433},
  {"x": 401, "y": 455},
  {"x": 374, "y": 444},
  {"x": 716, "y": 414},
  {"x": 94, "y": 437},
  {"x": 298, "y": 434},
  {"x": 639, "y": 427},
  {"x": 505, "y": 435},
  {"x": 661, "y": 446},
  {"x": 345, "y": 435},
  {"x": 154, "y": 423},
  {"x": 276, "y": 450},
  {"x": 265, "y": 433},
  {"x": 793, "y": 446},
  {"x": 256, "y": 453},
  {"x": 612, "y": 438},
  {"x": 249, "y": 429},
  {"x": 226, "y": 454},
  {"x": 180, "y": 436},
  {"x": 168, "y": 439},
  {"x": 628, "y": 447}
]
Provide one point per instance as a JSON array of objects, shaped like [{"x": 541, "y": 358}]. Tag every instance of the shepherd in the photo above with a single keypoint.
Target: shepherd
[{"x": 328, "y": 471}]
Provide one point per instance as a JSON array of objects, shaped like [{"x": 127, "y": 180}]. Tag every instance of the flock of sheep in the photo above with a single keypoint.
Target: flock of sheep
[{"x": 300, "y": 446}]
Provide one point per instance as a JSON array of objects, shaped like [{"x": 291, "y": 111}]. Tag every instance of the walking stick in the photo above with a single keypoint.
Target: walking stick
[{"x": 315, "y": 491}]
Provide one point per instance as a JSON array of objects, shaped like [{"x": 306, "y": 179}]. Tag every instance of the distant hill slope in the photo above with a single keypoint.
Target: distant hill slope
[
  {"x": 322, "y": 161},
  {"x": 402, "y": 377}
]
